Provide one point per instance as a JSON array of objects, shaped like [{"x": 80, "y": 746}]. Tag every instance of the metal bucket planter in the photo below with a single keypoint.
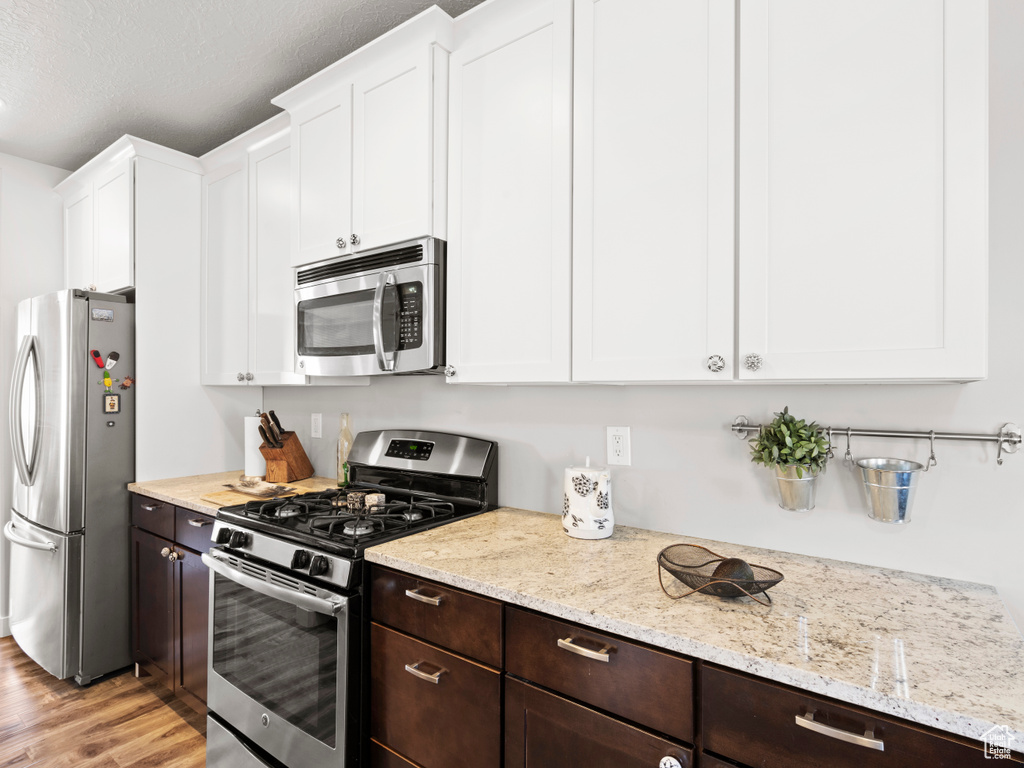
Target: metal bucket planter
[
  {"x": 890, "y": 485},
  {"x": 795, "y": 493}
]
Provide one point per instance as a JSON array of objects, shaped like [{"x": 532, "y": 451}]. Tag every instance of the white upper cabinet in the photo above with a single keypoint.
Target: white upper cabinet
[
  {"x": 653, "y": 192},
  {"x": 369, "y": 144},
  {"x": 247, "y": 283},
  {"x": 510, "y": 194},
  {"x": 98, "y": 222},
  {"x": 863, "y": 189}
]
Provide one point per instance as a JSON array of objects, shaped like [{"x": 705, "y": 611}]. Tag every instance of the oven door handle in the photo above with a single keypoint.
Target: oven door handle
[
  {"x": 331, "y": 607},
  {"x": 384, "y": 279}
]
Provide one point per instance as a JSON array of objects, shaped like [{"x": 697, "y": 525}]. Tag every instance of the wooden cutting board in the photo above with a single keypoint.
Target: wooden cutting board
[{"x": 227, "y": 498}]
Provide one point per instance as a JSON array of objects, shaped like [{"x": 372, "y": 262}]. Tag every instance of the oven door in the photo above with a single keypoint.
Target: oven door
[
  {"x": 281, "y": 653},
  {"x": 383, "y": 322}
]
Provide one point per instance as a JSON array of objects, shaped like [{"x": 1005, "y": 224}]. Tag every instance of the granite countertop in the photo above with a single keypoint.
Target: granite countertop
[
  {"x": 935, "y": 651},
  {"x": 186, "y": 491}
]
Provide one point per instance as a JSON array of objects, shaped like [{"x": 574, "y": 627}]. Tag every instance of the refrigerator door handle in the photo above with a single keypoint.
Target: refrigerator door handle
[
  {"x": 25, "y": 465},
  {"x": 11, "y": 536}
]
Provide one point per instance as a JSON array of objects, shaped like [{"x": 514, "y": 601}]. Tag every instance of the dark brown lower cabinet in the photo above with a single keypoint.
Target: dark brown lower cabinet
[
  {"x": 542, "y": 729},
  {"x": 765, "y": 725},
  {"x": 431, "y": 707},
  {"x": 382, "y": 757},
  {"x": 170, "y": 598}
]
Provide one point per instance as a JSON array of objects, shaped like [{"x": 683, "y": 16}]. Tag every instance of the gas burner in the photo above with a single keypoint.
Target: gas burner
[
  {"x": 412, "y": 515},
  {"x": 357, "y": 527}
]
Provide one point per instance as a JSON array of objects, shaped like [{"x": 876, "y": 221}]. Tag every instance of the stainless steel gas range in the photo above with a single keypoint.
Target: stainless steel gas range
[{"x": 288, "y": 623}]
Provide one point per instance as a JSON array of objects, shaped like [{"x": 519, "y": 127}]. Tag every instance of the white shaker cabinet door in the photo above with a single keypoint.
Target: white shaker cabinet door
[
  {"x": 862, "y": 189},
  {"x": 225, "y": 276},
  {"x": 394, "y": 144},
  {"x": 113, "y": 222},
  {"x": 321, "y": 140},
  {"x": 271, "y": 282},
  {"x": 78, "y": 245},
  {"x": 653, "y": 207},
  {"x": 510, "y": 184}
]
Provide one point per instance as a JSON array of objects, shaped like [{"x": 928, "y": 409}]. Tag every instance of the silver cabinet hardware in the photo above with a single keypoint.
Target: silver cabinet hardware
[
  {"x": 175, "y": 556},
  {"x": 248, "y": 377},
  {"x": 415, "y": 594},
  {"x": 753, "y": 362},
  {"x": 151, "y": 507},
  {"x": 341, "y": 243},
  {"x": 165, "y": 552},
  {"x": 199, "y": 523},
  {"x": 354, "y": 239},
  {"x": 414, "y": 669},
  {"x": 449, "y": 371},
  {"x": 91, "y": 287},
  {"x": 669, "y": 762},
  {"x": 867, "y": 740},
  {"x": 716, "y": 364},
  {"x": 241, "y": 377},
  {"x": 568, "y": 644}
]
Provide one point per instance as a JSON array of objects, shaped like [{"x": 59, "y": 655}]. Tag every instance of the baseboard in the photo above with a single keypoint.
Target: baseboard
[{"x": 5, "y": 626}]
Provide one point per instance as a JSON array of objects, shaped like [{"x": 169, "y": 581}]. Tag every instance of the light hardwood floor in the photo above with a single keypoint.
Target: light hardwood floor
[{"x": 113, "y": 723}]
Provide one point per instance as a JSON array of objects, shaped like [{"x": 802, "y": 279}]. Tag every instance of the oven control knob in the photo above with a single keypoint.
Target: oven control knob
[
  {"x": 238, "y": 539},
  {"x": 300, "y": 559},
  {"x": 223, "y": 536},
  {"x": 318, "y": 566}
]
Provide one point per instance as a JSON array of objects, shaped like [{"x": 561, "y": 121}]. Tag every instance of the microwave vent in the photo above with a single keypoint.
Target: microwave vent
[{"x": 353, "y": 265}]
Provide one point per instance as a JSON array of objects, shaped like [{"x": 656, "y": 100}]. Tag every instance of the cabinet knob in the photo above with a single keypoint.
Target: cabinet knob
[
  {"x": 354, "y": 239},
  {"x": 449, "y": 371},
  {"x": 165, "y": 552},
  {"x": 174, "y": 556},
  {"x": 669, "y": 762},
  {"x": 248, "y": 377},
  {"x": 91, "y": 287},
  {"x": 241, "y": 377},
  {"x": 753, "y": 362},
  {"x": 716, "y": 363},
  {"x": 341, "y": 243}
]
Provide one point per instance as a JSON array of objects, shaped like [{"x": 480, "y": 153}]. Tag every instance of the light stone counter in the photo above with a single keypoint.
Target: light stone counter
[
  {"x": 186, "y": 491},
  {"x": 939, "y": 652}
]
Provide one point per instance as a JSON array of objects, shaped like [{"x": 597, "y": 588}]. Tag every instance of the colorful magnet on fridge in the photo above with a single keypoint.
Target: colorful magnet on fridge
[
  {"x": 111, "y": 403},
  {"x": 127, "y": 382},
  {"x": 112, "y": 359},
  {"x": 97, "y": 358}
]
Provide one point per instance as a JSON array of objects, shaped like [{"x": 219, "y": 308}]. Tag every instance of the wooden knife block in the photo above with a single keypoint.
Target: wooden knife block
[{"x": 287, "y": 463}]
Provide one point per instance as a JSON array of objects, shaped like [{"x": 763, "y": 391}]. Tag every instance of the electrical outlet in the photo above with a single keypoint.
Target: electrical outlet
[
  {"x": 316, "y": 425},
  {"x": 618, "y": 446}
]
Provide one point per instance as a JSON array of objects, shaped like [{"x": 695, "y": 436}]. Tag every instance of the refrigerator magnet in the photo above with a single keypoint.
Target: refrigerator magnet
[
  {"x": 111, "y": 403},
  {"x": 97, "y": 358},
  {"x": 127, "y": 382},
  {"x": 112, "y": 359}
]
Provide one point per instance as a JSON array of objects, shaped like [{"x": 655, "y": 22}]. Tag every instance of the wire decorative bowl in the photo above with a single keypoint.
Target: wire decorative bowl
[{"x": 694, "y": 566}]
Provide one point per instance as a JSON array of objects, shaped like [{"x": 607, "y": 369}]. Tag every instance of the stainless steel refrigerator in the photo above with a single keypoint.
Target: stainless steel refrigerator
[{"x": 73, "y": 438}]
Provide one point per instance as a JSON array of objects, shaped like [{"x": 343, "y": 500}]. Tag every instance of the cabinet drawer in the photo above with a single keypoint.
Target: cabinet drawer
[
  {"x": 153, "y": 516},
  {"x": 649, "y": 687},
  {"x": 192, "y": 529},
  {"x": 542, "y": 729},
  {"x": 450, "y": 721},
  {"x": 756, "y": 722},
  {"x": 465, "y": 623}
]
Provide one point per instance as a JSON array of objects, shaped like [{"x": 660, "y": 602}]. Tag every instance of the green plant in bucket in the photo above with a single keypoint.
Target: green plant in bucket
[{"x": 791, "y": 442}]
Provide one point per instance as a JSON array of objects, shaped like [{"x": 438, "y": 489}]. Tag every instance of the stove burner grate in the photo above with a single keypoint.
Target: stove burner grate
[{"x": 365, "y": 525}]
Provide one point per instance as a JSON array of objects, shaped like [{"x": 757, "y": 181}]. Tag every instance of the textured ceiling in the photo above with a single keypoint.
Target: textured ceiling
[{"x": 75, "y": 75}]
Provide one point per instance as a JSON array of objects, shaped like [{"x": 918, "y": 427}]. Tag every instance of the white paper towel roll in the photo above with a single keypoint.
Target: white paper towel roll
[{"x": 255, "y": 464}]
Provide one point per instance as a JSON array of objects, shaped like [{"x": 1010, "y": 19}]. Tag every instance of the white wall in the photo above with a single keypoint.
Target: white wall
[
  {"x": 690, "y": 475},
  {"x": 31, "y": 263}
]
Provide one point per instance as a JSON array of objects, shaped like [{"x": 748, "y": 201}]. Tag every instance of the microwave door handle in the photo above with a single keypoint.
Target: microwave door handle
[{"x": 384, "y": 279}]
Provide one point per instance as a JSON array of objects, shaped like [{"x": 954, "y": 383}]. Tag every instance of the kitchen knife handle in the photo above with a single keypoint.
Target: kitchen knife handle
[{"x": 415, "y": 594}]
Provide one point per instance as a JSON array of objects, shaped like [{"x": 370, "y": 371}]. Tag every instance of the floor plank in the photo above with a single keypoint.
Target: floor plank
[{"x": 114, "y": 723}]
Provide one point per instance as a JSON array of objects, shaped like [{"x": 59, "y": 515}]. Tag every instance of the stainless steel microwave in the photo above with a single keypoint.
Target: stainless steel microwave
[{"x": 376, "y": 312}]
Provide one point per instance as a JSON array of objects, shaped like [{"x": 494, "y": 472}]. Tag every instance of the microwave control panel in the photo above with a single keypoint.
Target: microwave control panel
[{"x": 410, "y": 315}]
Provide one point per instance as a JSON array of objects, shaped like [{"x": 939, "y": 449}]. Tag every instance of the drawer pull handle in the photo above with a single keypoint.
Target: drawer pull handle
[
  {"x": 602, "y": 655},
  {"x": 199, "y": 523},
  {"x": 867, "y": 740},
  {"x": 151, "y": 507},
  {"x": 415, "y": 594},
  {"x": 414, "y": 669}
]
